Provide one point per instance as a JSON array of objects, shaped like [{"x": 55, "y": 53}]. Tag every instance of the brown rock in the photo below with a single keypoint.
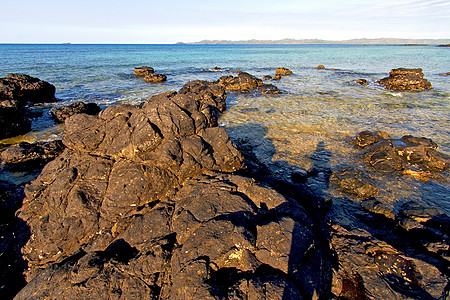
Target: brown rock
[
  {"x": 25, "y": 89},
  {"x": 406, "y": 79},
  {"x": 60, "y": 114},
  {"x": 155, "y": 78},
  {"x": 243, "y": 82},
  {"x": 320, "y": 67},
  {"x": 283, "y": 71},
  {"x": 362, "y": 81},
  {"x": 143, "y": 71},
  {"x": 276, "y": 77}
]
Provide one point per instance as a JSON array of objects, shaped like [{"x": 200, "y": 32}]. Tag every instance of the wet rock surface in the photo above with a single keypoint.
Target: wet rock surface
[
  {"x": 406, "y": 79},
  {"x": 409, "y": 155},
  {"x": 60, "y": 114}
]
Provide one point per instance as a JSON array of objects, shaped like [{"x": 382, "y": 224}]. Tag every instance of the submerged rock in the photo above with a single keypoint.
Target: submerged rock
[
  {"x": 352, "y": 181},
  {"x": 23, "y": 89},
  {"x": 60, "y": 114},
  {"x": 406, "y": 79},
  {"x": 268, "y": 89},
  {"x": 409, "y": 155}
]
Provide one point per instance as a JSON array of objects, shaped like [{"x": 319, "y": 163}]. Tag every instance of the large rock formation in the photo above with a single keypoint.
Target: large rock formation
[
  {"x": 243, "y": 82},
  {"x": 140, "y": 206},
  {"x": 283, "y": 71},
  {"x": 22, "y": 89},
  {"x": 406, "y": 79},
  {"x": 60, "y": 114}
]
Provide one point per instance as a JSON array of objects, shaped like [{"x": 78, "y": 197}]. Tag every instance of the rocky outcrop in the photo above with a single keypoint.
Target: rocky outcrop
[
  {"x": 406, "y": 79},
  {"x": 26, "y": 155},
  {"x": 149, "y": 74},
  {"x": 141, "y": 206},
  {"x": 220, "y": 236},
  {"x": 409, "y": 155},
  {"x": 18, "y": 89},
  {"x": 13, "y": 122},
  {"x": 60, "y": 114},
  {"x": 268, "y": 89},
  {"x": 283, "y": 71},
  {"x": 320, "y": 67},
  {"x": 243, "y": 82}
]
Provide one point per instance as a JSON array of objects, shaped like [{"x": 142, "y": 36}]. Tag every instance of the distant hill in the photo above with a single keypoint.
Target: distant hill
[{"x": 380, "y": 41}]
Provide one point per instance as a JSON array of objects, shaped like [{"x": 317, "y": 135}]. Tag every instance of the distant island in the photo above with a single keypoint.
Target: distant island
[{"x": 380, "y": 41}]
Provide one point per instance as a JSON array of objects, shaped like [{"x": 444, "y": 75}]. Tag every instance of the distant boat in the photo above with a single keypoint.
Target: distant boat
[{"x": 66, "y": 43}]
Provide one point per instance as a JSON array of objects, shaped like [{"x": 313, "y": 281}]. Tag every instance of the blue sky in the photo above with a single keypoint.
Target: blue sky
[{"x": 170, "y": 21}]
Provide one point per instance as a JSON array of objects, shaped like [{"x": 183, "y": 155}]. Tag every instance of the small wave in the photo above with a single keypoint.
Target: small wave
[{"x": 396, "y": 94}]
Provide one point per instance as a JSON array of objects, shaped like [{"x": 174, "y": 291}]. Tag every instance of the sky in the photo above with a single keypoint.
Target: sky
[{"x": 170, "y": 21}]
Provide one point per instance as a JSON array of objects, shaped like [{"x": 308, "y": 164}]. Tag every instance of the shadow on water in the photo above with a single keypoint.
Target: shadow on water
[
  {"x": 14, "y": 234},
  {"x": 311, "y": 270},
  {"x": 258, "y": 154}
]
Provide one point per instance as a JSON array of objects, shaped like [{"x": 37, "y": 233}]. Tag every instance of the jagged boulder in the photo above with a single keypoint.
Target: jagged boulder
[
  {"x": 60, "y": 114},
  {"x": 143, "y": 71},
  {"x": 22, "y": 89},
  {"x": 406, "y": 79}
]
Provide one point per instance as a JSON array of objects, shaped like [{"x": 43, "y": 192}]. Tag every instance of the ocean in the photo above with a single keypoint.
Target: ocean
[{"x": 314, "y": 118}]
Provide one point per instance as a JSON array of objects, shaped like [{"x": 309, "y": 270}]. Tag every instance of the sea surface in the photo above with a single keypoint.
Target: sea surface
[{"x": 311, "y": 122}]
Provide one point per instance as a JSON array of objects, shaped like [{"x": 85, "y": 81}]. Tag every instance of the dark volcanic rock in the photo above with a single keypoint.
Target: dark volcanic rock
[
  {"x": 406, "y": 79},
  {"x": 410, "y": 155},
  {"x": 283, "y": 71},
  {"x": 60, "y": 114},
  {"x": 219, "y": 236},
  {"x": 243, "y": 82},
  {"x": 369, "y": 267},
  {"x": 206, "y": 92},
  {"x": 375, "y": 206},
  {"x": 26, "y": 155},
  {"x": 24, "y": 89},
  {"x": 352, "y": 181},
  {"x": 13, "y": 122}
]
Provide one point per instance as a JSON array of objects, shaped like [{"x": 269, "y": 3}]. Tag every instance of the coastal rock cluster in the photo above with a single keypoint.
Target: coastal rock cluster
[
  {"x": 245, "y": 82},
  {"x": 406, "y": 79},
  {"x": 16, "y": 92},
  {"x": 149, "y": 74},
  {"x": 141, "y": 205}
]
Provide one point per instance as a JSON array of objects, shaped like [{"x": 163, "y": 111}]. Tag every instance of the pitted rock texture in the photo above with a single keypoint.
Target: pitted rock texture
[
  {"x": 406, "y": 79},
  {"x": 220, "y": 236},
  {"x": 116, "y": 163},
  {"x": 60, "y": 114},
  {"x": 23, "y": 89}
]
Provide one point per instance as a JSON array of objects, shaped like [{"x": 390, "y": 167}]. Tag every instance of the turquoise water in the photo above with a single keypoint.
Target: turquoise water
[{"x": 316, "y": 106}]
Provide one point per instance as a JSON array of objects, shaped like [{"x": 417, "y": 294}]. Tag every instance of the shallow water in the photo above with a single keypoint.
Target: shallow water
[{"x": 311, "y": 121}]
